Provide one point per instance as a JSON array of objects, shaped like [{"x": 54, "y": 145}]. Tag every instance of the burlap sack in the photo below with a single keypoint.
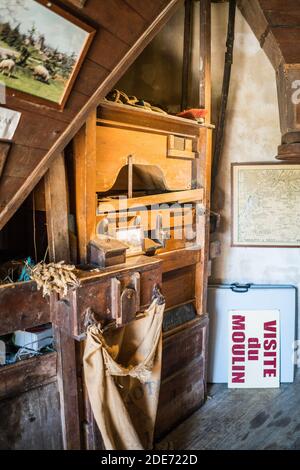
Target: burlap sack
[{"x": 122, "y": 369}]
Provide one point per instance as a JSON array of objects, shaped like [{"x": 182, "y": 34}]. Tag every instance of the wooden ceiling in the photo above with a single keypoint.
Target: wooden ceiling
[
  {"x": 123, "y": 29},
  {"x": 283, "y": 16},
  {"x": 276, "y": 24}
]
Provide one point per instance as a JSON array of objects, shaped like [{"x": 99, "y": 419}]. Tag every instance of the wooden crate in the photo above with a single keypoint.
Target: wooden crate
[
  {"x": 182, "y": 347},
  {"x": 183, "y": 385},
  {"x": 180, "y": 395}
]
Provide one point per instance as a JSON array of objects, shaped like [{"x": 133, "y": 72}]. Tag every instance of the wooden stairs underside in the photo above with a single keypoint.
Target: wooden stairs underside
[
  {"x": 124, "y": 28},
  {"x": 276, "y": 24}
]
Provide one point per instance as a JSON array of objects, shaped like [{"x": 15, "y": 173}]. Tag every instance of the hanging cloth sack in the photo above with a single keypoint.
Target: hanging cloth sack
[{"x": 122, "y": 369}]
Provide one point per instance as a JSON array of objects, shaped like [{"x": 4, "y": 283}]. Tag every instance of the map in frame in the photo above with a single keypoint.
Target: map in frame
[{"x": 265, "y": 204}]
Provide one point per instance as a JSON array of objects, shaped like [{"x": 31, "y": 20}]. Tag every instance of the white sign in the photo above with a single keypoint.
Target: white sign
[
  {"x": 254, "y": 349},
  {"x": 9, "y": 121}
]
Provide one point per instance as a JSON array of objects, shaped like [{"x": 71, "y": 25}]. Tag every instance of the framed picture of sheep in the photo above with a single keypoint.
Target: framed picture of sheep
[{"x": 42, "y": 48}]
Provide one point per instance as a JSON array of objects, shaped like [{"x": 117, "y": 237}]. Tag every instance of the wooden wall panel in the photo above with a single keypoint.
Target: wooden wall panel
[
  {"x": 288, "y": 39},
  {"x": 147, "y": 10},
  {"x": 24, "y": 375},
  {"x": 119, "y": 18},
  {"x": 32, "y": 420},
  {"x": 111, "y": 158},
  {"x": 106, "y": 49},
  {"x": 28, "y": 158},
  {"x": 89, "y": 77},
  {"x": 15, "y": 314}
]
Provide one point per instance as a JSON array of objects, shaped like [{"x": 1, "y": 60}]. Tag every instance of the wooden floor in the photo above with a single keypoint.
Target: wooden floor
[{"x": 242, "y": 419}]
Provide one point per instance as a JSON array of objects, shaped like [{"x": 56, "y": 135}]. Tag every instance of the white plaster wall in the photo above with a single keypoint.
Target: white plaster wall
[{"x": 252, "y": 134}]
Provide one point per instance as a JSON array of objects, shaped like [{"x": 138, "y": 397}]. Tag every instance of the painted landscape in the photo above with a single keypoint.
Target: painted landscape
[{"x": 39, "y": 49}]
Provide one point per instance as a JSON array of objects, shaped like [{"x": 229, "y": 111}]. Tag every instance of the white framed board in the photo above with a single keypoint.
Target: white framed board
[
  {"x": 265, "y": 204},
  {"x": 223, "y": 298}
]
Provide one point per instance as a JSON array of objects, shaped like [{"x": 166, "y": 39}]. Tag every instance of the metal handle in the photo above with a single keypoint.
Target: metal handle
[{"x": 240, "y": 288}]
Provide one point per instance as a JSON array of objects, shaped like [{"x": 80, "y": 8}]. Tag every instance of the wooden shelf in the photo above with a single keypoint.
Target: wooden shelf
[
  {"x": 126, "y": 116},
  {"x": 134, "y": 263},
  {"x": 179, "y": 258}
]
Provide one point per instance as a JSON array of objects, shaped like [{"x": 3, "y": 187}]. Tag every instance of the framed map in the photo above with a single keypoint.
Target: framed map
[{"x": 265, "y": 204}]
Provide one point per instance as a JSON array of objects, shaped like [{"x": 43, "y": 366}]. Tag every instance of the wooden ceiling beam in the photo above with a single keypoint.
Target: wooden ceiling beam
[{"x": 256, "y": 19}]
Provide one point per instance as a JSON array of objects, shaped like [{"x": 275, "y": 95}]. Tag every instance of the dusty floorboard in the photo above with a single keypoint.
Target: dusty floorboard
[{"x": 242, "y": 419}]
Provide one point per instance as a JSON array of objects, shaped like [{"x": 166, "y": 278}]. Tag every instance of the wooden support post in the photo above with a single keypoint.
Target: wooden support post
[
  {"x": 67, "y": 385},
  {"x": 57, "y": 211},
  {"x": 220, "y": 131},
  {"x": 187, "y": 40},
  {"x": 205, "y": 57},
  {"x": 205, "y": 148},
  {"x": 84, "y": 145},
  {"x": 130, "y": 176},
  {"x": 58, "y": 236}
]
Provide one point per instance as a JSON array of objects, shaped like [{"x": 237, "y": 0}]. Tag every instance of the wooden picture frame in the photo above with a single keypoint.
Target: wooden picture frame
[
  {"x": 265, "y": 205},
  {"x": 78, "y": 3},
  {"x": 44, "y": 71},
  {"x": 5, "y": 146}
]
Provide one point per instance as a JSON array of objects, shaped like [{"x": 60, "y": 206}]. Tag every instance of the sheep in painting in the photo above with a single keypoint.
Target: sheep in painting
[
  {"x": 41, "y": 73},
  {"x": 7, "y": 65}
]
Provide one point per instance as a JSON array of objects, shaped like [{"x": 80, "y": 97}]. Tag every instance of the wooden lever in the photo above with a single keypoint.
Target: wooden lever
[{"x": 125, "y": 303}]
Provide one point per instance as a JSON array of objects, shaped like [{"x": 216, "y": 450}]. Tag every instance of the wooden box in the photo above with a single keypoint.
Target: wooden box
[{"x": 106, "y": 252}]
